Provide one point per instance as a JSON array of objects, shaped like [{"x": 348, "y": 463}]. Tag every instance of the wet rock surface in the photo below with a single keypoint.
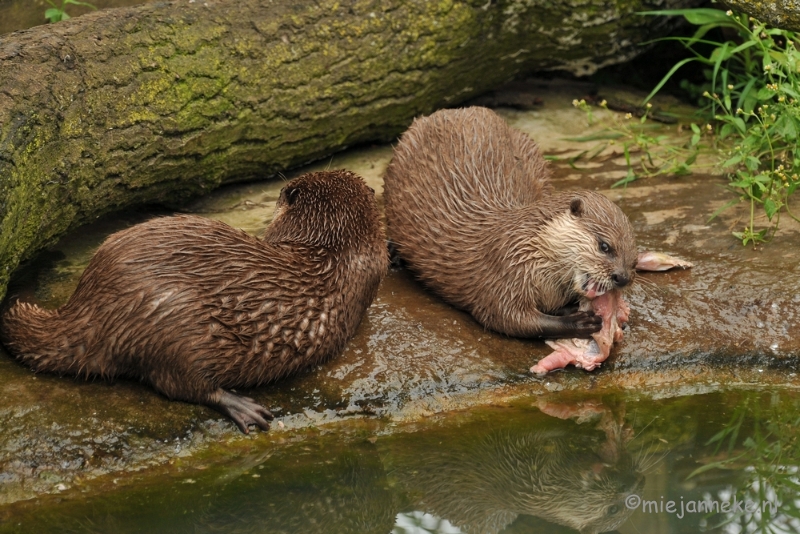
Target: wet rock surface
[{"x": 734, "y": 319}]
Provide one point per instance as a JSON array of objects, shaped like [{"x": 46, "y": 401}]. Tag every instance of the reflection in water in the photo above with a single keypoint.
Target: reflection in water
[
  {"x": 561, "y": 472},
  {"x": 346, "y": 494},
  {"x": 557, "y": 467},
  {"x": 760, "y": 443}
]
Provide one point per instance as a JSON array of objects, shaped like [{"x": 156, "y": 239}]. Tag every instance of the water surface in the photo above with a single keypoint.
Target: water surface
[{"x": 541, "y": 464}]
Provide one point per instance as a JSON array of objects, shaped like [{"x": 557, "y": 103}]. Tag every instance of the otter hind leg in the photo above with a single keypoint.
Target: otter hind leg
[
  {"x": 244, "y": 411},
  {"x": 580, "y": 324}
]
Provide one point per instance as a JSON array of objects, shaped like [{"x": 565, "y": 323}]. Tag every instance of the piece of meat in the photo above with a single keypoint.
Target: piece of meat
[
  {"x": 589, "y": 353},
  {"x": 656, "y": 261}
]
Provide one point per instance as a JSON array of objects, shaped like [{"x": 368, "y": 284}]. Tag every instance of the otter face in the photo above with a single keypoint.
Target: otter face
[
  {"x": 331, "y": 209},
  {"x": 606, "y": 251}
]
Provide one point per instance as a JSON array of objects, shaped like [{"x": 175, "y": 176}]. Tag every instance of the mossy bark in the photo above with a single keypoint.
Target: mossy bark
[
  {"x": 784, "y": 14},
  {"x": 167, "y": 100}
]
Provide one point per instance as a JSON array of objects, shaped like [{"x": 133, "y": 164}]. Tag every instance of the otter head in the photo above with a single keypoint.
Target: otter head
[
  {"x": 601, "y": 245},
  {"x": 331, "y": 209}
]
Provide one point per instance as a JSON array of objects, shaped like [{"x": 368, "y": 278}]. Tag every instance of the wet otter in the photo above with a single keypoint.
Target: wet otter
[
  {"x": 194, "y": 307},
  {"x": 471, "y": 211}
]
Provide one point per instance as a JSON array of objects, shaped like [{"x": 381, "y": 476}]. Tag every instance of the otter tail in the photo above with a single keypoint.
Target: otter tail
[{"x": 37, "y": 337}]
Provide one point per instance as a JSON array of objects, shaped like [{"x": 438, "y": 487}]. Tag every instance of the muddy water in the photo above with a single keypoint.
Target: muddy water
[{"x": 544, "y": 464}]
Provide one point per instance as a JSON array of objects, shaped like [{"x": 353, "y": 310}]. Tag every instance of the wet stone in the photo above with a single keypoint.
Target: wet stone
[{"x": 734, "y": 319}]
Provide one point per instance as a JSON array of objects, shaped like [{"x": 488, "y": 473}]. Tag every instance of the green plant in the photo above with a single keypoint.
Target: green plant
[
  {"x": 647, "y": 149},
  {"x": 752, "y": 97},
  {"x": 55, "y": 13}
]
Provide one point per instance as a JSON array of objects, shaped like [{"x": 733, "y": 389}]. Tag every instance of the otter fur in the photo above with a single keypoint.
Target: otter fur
[
  {"x": 471, "y": 211},
  {"x": 194, "y": 307}
]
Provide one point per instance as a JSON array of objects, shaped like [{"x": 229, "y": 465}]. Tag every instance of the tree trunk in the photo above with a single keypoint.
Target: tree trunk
[
  {"x": 784, "y": 14},
  {"x": 163, "y": 101}
]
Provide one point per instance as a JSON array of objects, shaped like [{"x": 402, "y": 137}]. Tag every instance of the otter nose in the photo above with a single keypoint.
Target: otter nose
[{"x": 620, "y": 280}]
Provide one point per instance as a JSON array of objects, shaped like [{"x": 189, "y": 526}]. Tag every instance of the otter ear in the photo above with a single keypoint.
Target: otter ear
[
  {"x": 576, "y": 207},
  {"x": 290, "y": 193}
]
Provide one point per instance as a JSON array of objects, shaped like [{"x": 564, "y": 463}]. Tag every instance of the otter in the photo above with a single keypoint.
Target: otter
[
  {"x": 471, "y": 211},
  {"x": 523, "y": 469},
  {"x": 194, "y": 307}
]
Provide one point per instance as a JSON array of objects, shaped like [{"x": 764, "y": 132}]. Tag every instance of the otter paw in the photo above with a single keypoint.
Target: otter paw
[
  {"x": 244, "y": 411},
  {"x": 582, "y": 324}
]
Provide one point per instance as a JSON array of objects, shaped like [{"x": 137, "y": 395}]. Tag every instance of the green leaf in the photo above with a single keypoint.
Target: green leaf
[
  {"x": 789, "y": 91},
  {"x": 720, "y": 57},
  {"x": 740, "y": 125},
  {"x": 744, "y": 46},
  {"x": 602, "y": 134},
  {"x": 697, "y": 16},
  {"x": 666, "y": 78},
  {"x": 725, "y": 131},
  {"x": 695, "y": 128},
  {"x": 630, "y": 177},
  {"x": 53, "y": 14},
  {"x": 746, "y": 99},
  {"x": 770, "y": 207},
  {"x": 744, "y": 184},
  {"x": 77, "y": 3},
  {"x": 725, "y": 206},
  {"x": 787, "y": 127},
  {"x": 765, "y": 94},
  {"x": 733, "y": 161},
  {"x": 721, "y": 464}
]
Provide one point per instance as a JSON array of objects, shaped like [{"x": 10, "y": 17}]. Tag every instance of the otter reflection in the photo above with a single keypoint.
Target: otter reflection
[{"x": 572, "y": 469}]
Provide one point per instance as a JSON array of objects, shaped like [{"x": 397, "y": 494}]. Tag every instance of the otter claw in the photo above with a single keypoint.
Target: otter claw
[
  {"x": 244, "y": 411},
  {"x": 584, "y": 324}
]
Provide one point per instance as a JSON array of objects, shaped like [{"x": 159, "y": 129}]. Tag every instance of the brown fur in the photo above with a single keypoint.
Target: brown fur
[
  {"x": 471, "y": 210},
  {"x": 483, "y": 483},
  {"x": 194, "y": 307}
]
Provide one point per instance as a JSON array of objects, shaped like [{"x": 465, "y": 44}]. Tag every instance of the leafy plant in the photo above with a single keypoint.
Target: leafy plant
[
  {"x": 750, "y": 109},
  {"x": 56, "y": 14},
  {"x": 752, "y": 97},
  {"x": 647, "y": 149}
]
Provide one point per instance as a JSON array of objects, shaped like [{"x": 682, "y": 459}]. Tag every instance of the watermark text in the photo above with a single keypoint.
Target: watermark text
[{"x": 681, "y": 507}]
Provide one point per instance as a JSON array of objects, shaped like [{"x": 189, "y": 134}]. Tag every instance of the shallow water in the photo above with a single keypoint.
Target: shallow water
[{"x": 540, "y": 464}]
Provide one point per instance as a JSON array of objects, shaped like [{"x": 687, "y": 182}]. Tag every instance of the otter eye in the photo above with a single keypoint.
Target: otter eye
[
  {"x": 605, "y": 248},
  {"x": 613, "y": 509}
]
